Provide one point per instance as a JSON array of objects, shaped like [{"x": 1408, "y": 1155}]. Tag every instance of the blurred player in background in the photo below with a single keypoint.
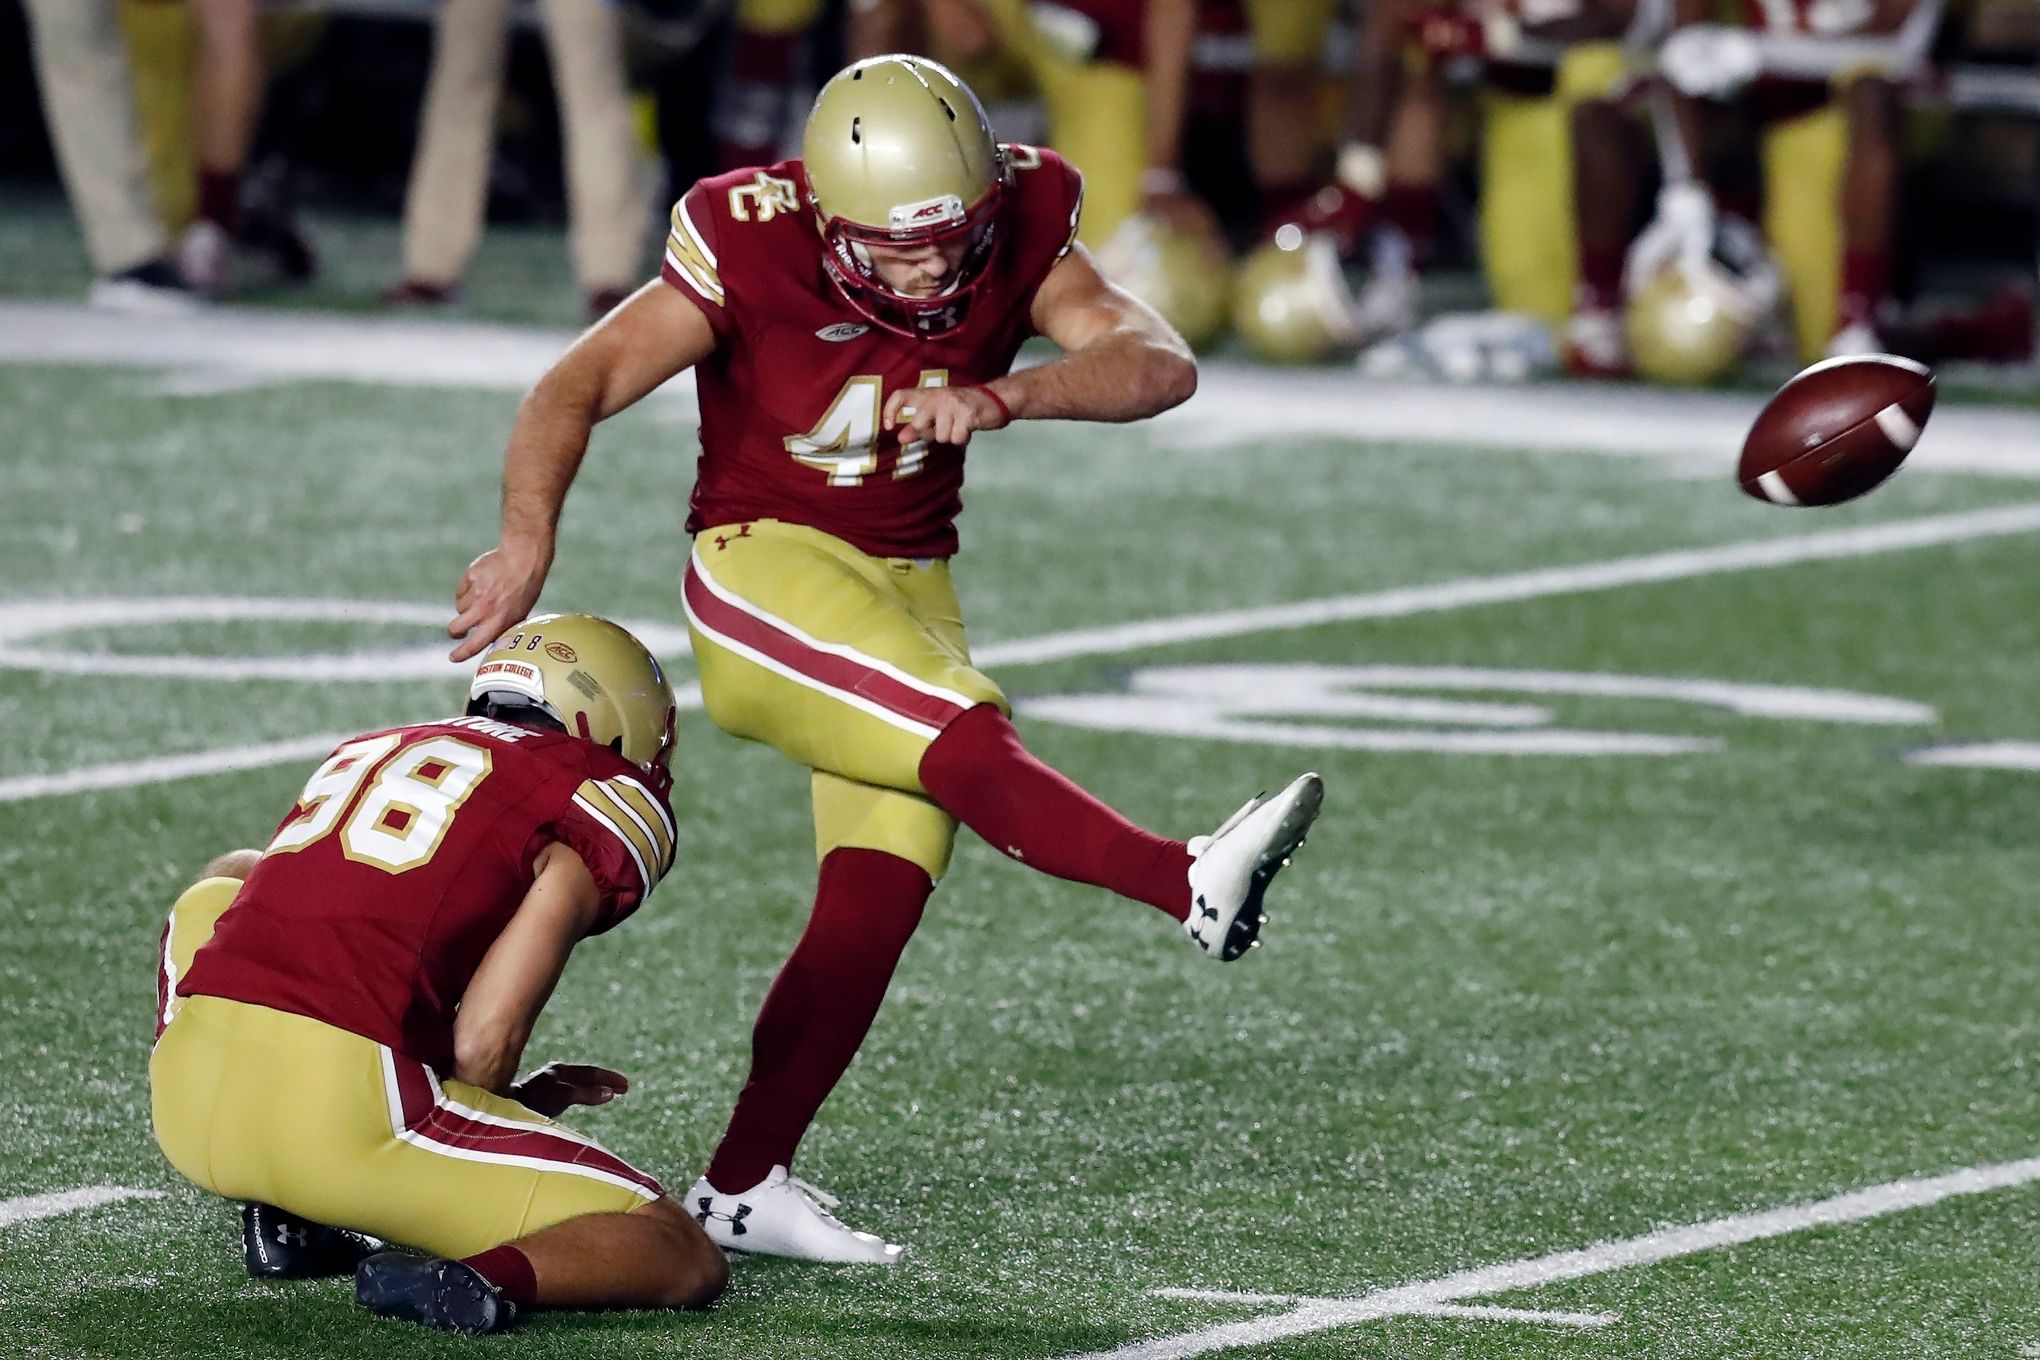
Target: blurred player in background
[
  {"x": 342, "y": 1015},
  {"x": 1824, "y": 79},
  {"x": 851, "y": 318}
]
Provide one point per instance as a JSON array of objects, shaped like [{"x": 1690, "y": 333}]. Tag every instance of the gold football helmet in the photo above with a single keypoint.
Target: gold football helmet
[
  {"x": 591, "y": 677},
  {"x": 899, "y": 152},
  {"x": 1292, "y": 305},
  {"x": 1180, "y": 273},
  {"x": 1686, "y": 327}
]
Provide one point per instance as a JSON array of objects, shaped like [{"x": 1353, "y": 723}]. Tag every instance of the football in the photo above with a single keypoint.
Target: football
[{"x": 1837, "y": 430}]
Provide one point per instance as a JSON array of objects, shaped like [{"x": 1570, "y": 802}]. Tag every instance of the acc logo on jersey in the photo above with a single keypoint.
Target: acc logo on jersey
[{"x": 841, "y": 331}]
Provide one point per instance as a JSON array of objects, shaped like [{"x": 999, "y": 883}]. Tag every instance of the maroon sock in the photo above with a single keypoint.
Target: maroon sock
[
  {"x": 764, "y": 68},
  {"x": 509, "y": 1270},
  {"x": 1866, "y": 282},
  {"x": 219, "y": 197},
  {"x": 1284, "y": 201},
  {"x": 1601, "y": 278},
  {"x": 980, "y": 774},
  {"x": 867, "y": 904},
  {"x": 1412, "y": 209}
]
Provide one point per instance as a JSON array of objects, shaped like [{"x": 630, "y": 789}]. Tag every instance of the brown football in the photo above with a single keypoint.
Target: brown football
[{"x": 1836, "y": 430}]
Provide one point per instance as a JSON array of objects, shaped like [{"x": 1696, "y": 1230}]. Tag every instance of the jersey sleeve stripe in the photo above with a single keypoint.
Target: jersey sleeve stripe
[
  {"x": 684, "y": 221},
  {"x": 610, "y": 822},
  {"x": 689, "y": 256},
  {"x": 678, "y": 268},
  {"x": 635, "y": 799},
  {"x": 652, "y": 832},
  {"x": 1076, "y": 212}
]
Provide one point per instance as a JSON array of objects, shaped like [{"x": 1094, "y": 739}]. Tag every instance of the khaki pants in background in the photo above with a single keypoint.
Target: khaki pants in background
[
  {"x": 448, "y": 194},
  {"x": 88, "y": 99}
]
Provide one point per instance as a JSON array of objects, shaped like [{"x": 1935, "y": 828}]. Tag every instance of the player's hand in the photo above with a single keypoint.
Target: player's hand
[
  {"x": 946, "y": 415},
  {"x": 498, "y": 589},
  {"x": 556, "y": 1086}
]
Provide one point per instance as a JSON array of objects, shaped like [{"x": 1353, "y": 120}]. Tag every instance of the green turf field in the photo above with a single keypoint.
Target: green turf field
[{"x": 1509, "y": 1005}]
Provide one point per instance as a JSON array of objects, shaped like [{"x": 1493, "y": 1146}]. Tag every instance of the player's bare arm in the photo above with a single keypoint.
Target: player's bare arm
[
  {"x": 1121, "y": 362},
  {"x": 518, "y": 973},
  {"x": 653, "y": 336}
]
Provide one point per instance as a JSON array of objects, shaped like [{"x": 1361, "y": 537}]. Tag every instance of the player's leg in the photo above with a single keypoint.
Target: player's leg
[
  {"x": 1803, "y": 161},
  {"x": 766, "y": 50},
  {"x": 606, "y": 205},
  {"x": 1286, "y": 136},
  {"x": 856, "y": 666},
  {"x": 447, "y": 195},
  {"x": 881, "y": 852},
  {"x": 1869, "y": 206},
  {"x": 230, "y": 84}
]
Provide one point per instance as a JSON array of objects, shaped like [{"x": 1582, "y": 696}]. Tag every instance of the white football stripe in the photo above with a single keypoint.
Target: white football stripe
[
  {"x": 1772, "y": 484},
  {"x": 1901, "y": 429},
  {"x": 28, "y": 1208}
]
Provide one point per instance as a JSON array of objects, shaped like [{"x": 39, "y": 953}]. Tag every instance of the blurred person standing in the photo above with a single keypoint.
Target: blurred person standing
[
  {"x": 81, "y": 64},
  {"x": 448, "y": 195}
]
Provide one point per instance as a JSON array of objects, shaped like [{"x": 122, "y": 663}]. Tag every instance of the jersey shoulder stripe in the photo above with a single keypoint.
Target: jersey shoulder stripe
[
  {"x": 689, "y": 256},
  {"x": 650, "y": 812},
  {"x": 603, "y": 811}
]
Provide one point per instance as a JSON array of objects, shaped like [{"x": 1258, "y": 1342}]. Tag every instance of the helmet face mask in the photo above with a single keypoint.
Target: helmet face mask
[
  {"x": 591, "y": 678},
  {"x": 899, "y": 154}
]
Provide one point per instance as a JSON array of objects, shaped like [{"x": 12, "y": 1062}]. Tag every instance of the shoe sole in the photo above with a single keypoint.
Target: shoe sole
[
  {"x": 1290, "y": 835},
  {"x": 418, "y": 1290}
]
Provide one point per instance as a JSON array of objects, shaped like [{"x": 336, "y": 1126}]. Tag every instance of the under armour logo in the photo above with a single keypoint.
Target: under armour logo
[
  {"x": 704, "y": 1210},
  {"x": 721, "y": 542},
  {"x": 292, "y": 1235}
]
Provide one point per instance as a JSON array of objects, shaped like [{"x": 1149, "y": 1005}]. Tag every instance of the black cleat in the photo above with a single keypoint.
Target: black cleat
[
  {"x": 280, "y": 1246},
  {"x": 432, "y": 1292}
]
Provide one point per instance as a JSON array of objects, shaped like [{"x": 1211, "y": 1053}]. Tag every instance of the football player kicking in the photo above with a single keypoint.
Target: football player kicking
[
  {"x": 339, "y": 1033},
  {"x": 851, "y": 317}
]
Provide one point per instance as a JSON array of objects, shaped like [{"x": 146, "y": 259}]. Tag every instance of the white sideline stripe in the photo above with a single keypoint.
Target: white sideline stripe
[
  {"x": 1981, "y": 755},
  {"x": 1930, "y": 531},
  {"x": 1486, "y": 1312},
  {"x": 1318, "y": 1315},
  {"x": 1682, "y": 564},
  {"x": 28, "y": 1208},
  {"x": 124, "y": 774}
]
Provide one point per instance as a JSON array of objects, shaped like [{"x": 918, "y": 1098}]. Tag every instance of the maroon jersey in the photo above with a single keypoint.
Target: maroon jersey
[
  {"x": 404, "y": 858},
  {"x": 791, "y": 398}
]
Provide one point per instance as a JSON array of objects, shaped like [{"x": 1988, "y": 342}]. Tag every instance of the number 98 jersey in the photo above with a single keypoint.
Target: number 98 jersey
[
  {"x": 792, "y": 398},
  {"x": 405, "y": 857}
]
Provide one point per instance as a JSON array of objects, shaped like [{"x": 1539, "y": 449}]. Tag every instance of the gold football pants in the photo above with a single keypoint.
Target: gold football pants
[
  {"x": 848, "y": 663},
  {"x": 259, "y": 1104}
]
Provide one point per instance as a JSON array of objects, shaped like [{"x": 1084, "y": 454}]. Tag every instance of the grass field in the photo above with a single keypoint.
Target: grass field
[{"x": 1509, "y": 1005}]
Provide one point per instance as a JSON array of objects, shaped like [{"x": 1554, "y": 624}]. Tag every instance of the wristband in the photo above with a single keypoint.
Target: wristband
[{"x": 1005, "y": 411}]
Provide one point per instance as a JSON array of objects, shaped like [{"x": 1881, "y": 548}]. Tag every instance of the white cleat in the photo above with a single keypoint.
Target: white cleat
[
  {"x": 1231, "y": 868},
  {"x": 784, "y": 1216}
]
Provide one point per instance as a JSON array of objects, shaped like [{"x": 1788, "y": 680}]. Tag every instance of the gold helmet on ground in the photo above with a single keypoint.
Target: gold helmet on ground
[
  {"x": 1685, "y": 327},
  {"x": 1182, "y": 274},
  {"x": 591, "y": 677},
  {"x": 898, "y": 152},
  {"x": 1292, "y": 305}
]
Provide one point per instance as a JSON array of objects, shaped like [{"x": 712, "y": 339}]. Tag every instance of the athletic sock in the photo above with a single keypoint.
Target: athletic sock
[
  {"x": 764, "y": 70},
  {"x": 1412, "y": 209},
  {"x": 980, "y": 774},
  {"x": 1601, "y": 278},
  {"x": 509, "y": 1270},
  {"x": 867, "y": 904},
  {"x": 219, "y": 197},
  {"x": 1866, "y": 282}
]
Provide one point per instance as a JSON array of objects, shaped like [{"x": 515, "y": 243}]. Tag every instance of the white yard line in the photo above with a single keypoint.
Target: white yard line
[
  {"x": 1320, "y": 1315},
  {"x": 1513, "y": 587},
  {"x": 1481, "y": 1312},
  {"x": 227, "y": 348},
  {"x": 28, "y": 1208},
  {"x": 1981, "y": 755}
]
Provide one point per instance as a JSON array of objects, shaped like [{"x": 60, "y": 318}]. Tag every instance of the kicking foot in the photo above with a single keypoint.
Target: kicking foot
[
  {"x": 281, "y": 1246},
  {"x": 432, "y": 1292},
  {"x": 1231, "y": 868},
  {"x": 783, "y": 1216}
]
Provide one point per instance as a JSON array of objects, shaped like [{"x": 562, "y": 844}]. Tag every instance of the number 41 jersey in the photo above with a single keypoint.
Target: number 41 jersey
[
  {"x": 404, "y": 858},
  {"x": 792, "y": 397}
]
